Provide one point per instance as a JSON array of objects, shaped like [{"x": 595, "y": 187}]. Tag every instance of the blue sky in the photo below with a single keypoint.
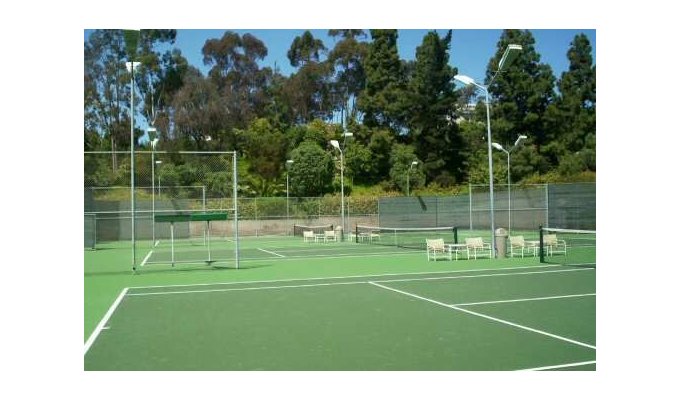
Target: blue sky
[{"x": 471, "y": 49}]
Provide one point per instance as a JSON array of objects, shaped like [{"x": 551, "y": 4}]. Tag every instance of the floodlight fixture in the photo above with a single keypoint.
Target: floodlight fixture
[
  {"x": 132, "y": 65},
  {"x": 465, "y": 79},
  {"x": 510, "y": 54},
  {"x": 519, "y": 139}
]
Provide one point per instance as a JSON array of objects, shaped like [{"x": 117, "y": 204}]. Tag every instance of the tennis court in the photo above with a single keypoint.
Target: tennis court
[{"x": 341, "y": 306}]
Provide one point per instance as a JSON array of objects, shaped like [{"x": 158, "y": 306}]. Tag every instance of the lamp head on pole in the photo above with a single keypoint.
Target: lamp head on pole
[
  {"x": 130, "y": 66},
  {"x": 464, "y": 79},
  {"x": 289, "y": 163},
  {"x": 510, "y": 54},
  {"x": 335, "y": 144},
  {"x": 497, "y": 146},
  {"x": 519, "y": 139}
]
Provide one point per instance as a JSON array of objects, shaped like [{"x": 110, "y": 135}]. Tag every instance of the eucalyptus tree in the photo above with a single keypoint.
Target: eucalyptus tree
[
  {"x": 307, "y": 92},
  {"x": 107, "y": 84},
  {"x": 237, "y": 75},
  {"x": 305, "y": 49},
  {"x": 348, "y": 57},
  {"x": 107, "y": 90},
  {"x": 198, "y": 113}
]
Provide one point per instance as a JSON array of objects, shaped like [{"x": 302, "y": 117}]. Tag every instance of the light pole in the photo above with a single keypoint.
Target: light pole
[
  {"x": 288, "y": 164},
  {"x": 336, "y": 144},
  {"x": 159, "y": 162},
  {"x": 151, "y": 132},
  {"x": 507, "y": 152},
  {"x": 408, "y": 173},
  {"x": 511, "y": 52},
  {"x": 131, "y": 66}
]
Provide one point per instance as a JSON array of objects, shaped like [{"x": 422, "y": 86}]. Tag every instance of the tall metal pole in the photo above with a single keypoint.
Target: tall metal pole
[
  {"x": 408, "y": 173},
  {"x": 342, "y": 191},
  {"x": 235, "y": 194},
  {"x": 288, "y": 164},
  {"x": 509, "y": 198},
  {"x": 488, "y": 139},
  {"x": 153, "y": 195},
  {"x": 132, "y": 160}
]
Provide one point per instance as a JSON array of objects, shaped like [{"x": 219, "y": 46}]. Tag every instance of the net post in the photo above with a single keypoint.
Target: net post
[
  {"x": 356, "y": 233},
  {"x": 540, "y": 244},
  {"x": 455, "y": 235}
]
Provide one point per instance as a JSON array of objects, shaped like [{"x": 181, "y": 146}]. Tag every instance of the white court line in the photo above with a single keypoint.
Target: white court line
[
  {"x": 324, "y": 284},
  {"x": 528, "y": 299},
  {"x": 485, "y": 275},
  {"x": 346, "y": 277},
  {"x": 102, "y": 323},
  {"x": 271, "y": 252},
  {"x": 247, "y": 289},
  {"x": 559, "y": 366},
  {"x": 146, "y": 258},
  {"x": 487, "y": 317}
]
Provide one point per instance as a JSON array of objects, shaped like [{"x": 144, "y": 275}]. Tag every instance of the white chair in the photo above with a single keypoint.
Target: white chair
[
  {"x": 435, "y": 247},
  {"x": 554, "y": 245},
  {"x": 329, "y": 236},
  {"x": 477, "y": 247},
  {"x": 518, "y": 246},
  {"x": 308, "y": 236}
]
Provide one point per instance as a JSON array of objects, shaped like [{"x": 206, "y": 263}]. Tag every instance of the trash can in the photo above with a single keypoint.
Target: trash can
[{"x": 500, "y": 238}]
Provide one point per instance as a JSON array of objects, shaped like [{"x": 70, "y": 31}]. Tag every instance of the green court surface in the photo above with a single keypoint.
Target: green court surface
[{"x": 336, "y": 306}]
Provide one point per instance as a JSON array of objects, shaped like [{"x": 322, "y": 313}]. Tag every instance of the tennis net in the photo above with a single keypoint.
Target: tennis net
[
  {"x": 567, "y": 246},
  {"x": 317, "y": 229},
  {"x": 412, "y": 238}
]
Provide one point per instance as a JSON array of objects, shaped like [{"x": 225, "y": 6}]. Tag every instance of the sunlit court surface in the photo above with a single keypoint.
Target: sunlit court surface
[{"x": 296, "y": 305}]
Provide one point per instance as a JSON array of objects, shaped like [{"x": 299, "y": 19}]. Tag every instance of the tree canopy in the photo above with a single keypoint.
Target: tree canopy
[{"x": 398, "y": 111}]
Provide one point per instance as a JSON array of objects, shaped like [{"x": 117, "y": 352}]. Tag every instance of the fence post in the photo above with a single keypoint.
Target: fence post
[{"x": 470, "y": 202}]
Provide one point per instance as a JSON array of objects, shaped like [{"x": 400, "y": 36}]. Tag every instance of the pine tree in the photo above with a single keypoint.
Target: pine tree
[{"x": 431, "y": 101}]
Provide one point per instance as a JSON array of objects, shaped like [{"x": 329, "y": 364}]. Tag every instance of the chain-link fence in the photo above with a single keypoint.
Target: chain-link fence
[
  {"x": 187, "y": 182},
  {"x": 519, "y": 207},
  {"x": 264, "y": 216},
  {"x": 165, "y": 183}
]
